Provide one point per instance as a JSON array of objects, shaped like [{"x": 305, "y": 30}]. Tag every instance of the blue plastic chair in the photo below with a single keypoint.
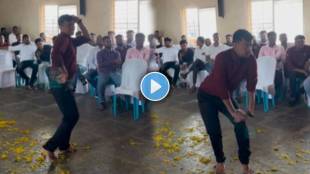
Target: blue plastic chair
[{"x": 135, "y": 107}]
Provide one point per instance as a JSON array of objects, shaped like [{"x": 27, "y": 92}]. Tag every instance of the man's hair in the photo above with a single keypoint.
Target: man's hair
[
  {"x": 54, "y": 38},
  {"x": 41, "y": 33},
  {"x": 215, "y": 34},
  {"x": 65, "y": 18},
  {"x": 3, "y": 28},
  {"x": 167, "y": 39},
  {"x": 130, "y": 31},
  {"x": 263, "y": 31},
  {"x": 119, "y": 35},
  {"x": 25, "y": 36},
  {"x": 201, "y": 39},
  {"x": 38, "y": 40},
  {"x": 15, "y": 27},
  {"x": 242, "y": 34},
  {"x": 298, "y": 37},
  {"x": 272, "y": 33},
  {"x": 106, "y": 38},
  {"x": 228, "y": 35},
  {"x": 140, "y": 35},
  {"x": 183, "y": 42}
]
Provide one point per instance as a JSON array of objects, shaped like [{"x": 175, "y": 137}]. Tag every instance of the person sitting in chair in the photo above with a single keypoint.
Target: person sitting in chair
[
  {"x": 27, "y": 60},
  {"x": 108, "y": 61}
]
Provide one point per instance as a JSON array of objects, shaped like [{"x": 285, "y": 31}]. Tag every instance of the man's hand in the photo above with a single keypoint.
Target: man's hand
[
  {"x": 239, "y": 116},
  {"x": 76, "y": 19},
  {"x": 62, "y": 78}
]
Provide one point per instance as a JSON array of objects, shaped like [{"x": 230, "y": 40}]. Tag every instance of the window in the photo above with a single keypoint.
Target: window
[
  {"x": 52, "y": 12},
  {"x": 136, "y": 15},
  {"x": 282, "y": 16},
  {"x": 200, "y": 22}
]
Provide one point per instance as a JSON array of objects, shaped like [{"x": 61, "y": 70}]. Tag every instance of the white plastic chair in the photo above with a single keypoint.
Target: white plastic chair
[
  {"x": 7, "y": 72},
  {"x": 200, "y": 78},
  {"x": 133, "y": 71},
  {"x": 266, "y": 70}
]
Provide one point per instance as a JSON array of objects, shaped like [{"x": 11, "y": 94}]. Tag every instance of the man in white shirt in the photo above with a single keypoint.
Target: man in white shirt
[
  {"x": 82, "y": 54},
  {"x": 169, "y": 60},
  {"x": 27, "y": 60},
  {"x": 201, "y": 60},
  {"x": 14, "y": 36},
  {"x": 91, "y": 63},
  {"x": 216, "y": 47},
  {"x": 130, "y": 39}
]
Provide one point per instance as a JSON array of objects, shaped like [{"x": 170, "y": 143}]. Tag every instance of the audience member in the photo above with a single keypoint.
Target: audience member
[
  {"x": 277, "y": 52},
  {"x": 121, "y": 47},
  {"x": 43, "y": 54},
  {"x": 91, "y": 64},
  {"x": 201, "y": 61},
  {"x": 14, "y": 37},
  {"x": 108, "y": 61},
  {"x": 130, "y": 42},
  {"x": 27, "y": 60},
  {"x": 139, "y": 51},
  {"x": 159, "y": 37},
  {"x": 186, "y": 58},
  {"x": 169, "y": 60},
  {"x": 111, "y": 34},
  {"x": 43, "y": 38},
  {"x": 284, "y": 42},
  {"x": 229, "y": 40},
  {"x": 216, "y": 47},
  {"x": 297, "y": 56},
  {"x": 208, "y": 42},
  {"x": 262, "y": 42},
  {"x": 5, "y": 34}
]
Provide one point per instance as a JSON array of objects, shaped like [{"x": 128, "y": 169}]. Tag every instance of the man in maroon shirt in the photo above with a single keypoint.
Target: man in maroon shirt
[
  {"x": 297, "y": 57},
  {"x": 64, "y": 60},
  {"x": 215, "y": 95}
]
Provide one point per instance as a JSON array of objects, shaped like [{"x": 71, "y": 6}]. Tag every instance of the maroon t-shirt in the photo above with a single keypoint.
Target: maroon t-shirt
[
  {"x": 64, "y": 51},
  {"x": 229, "y": 71}
]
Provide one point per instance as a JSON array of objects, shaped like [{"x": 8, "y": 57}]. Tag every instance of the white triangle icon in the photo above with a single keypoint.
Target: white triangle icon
[{"x": 154, "y": 86}]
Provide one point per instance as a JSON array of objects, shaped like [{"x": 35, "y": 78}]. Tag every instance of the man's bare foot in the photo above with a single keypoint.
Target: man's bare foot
[
  {"x": 51, "y": 155},
  {"x": 71, "y": 149},
  {"x": 247, "y": 170},
  {"x": 220, "y": 168}
]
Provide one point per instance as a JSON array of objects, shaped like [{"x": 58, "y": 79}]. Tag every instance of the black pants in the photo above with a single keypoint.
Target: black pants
[
  {"x": 197, "y": 66},
  {"x": 295, "y": 89},
  {"x": 176, "y": 68},
  {"x": 28, "y": 64},
  {"x": 278, "y": 83},
  {"x": 66, "y": 103},
  {"x": 210, "y": 106}
]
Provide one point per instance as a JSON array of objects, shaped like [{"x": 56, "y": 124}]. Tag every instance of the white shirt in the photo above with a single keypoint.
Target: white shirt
[
  {"x": 92, "y": 58},
  {"x": 213, "y": 51},
  {"x": 12, "y": 38},
  {"x": 169, "y": 54},
  {"x": 132, "y": 44},
  {"x": 82, "y": 53},
  {"x": 26, "y": 52},
  {"x": 201, "y": 53}
]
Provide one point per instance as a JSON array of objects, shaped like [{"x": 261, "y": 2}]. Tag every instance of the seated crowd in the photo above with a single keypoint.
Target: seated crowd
[{"x": 100, "y": 60}]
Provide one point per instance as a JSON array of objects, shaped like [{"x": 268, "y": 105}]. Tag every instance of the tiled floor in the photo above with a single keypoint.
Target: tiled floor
[{"x": 170, "y": 138}]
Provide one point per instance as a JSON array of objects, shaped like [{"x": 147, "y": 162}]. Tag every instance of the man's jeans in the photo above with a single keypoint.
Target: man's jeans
[{"x": 104, "y": 80}]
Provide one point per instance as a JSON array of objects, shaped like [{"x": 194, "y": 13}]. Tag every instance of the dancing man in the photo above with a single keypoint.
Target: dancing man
[
  {"x": 215, "y": 95},
  {"x": 64, "y": 63}
]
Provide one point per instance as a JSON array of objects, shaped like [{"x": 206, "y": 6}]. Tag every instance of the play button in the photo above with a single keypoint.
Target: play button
[{"x": 155, "y": 86}]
